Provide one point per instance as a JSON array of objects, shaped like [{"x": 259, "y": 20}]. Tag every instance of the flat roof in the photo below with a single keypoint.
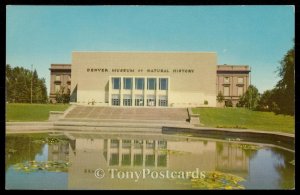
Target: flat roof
[{"x": 145, "y": 51}]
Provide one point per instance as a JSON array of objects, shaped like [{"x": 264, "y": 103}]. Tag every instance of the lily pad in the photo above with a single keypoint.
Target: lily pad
[
  {"x": 51, "y": 166},
  {"x": 51, "y": 140},
  {"x": 218, "y": 180}
]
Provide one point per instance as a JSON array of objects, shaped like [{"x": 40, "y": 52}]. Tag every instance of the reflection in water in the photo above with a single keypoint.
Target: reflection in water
[{"x": 89, "y": 152}]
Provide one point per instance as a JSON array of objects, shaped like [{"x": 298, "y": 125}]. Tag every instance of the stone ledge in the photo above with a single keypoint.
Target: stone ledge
[
  {"x": 193, "y": 118},
  {"x": 286, "y": 140},
  {"x": 55, "y": 115}
]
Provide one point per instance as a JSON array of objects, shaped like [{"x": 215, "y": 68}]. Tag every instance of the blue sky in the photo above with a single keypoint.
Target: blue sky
[{"x": 258, "y": 36}]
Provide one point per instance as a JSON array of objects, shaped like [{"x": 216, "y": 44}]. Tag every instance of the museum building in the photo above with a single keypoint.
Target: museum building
[{"x": 148, "y": 79}]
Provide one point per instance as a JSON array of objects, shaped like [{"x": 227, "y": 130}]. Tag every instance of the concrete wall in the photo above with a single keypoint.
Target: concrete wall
[{"x": 190, "y": 87}]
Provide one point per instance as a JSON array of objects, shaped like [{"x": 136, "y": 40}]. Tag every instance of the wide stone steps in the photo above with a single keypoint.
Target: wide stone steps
[{"x": 115, "y": 125}]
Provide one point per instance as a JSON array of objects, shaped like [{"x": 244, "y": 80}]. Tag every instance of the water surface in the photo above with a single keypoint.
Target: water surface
[{"x": 157, "y": 156}]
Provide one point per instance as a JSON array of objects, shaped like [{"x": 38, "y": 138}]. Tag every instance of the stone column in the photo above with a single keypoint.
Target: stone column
[
  {"x": 145, "y": 90},
  {"x": 144, "y": 153},
  {"x": 120, "y": 152},
  {"x": 168, "y": 91},
  {"x": 109, "y": 90},
  {"x": 121, "y": 91},
  {"x": 156, "y": 91},
  {"x": 131, "y": 153},
  {"x": 108, "y": 152},
  {"x": 133, "y": 91}
]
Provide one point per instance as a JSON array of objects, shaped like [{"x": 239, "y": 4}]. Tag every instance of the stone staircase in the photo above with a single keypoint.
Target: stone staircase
[{"x": 121, "y": 119}]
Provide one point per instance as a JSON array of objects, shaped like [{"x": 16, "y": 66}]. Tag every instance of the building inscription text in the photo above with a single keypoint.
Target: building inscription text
[{"x": 130, "y": 70}]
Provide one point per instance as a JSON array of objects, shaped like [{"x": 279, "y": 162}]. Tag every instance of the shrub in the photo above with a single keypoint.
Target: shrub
[{"x": 228, "y": 103}]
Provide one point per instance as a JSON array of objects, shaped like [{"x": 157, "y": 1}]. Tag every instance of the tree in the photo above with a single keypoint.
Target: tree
[
  {"x": 63, "y": 96},
  {"x": 18, "y": 86},
  {"x": 220, "y": 97},
  {"x": 265, "y": 101},
  {"x": 286, "y": 85},
  {"x": 250, "y": 98},
  {"x": 228, "y": 103}
]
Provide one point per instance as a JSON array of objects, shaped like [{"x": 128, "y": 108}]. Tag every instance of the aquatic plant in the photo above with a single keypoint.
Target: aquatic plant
[
  {"x": 51, "y": 166},
  {"x": 218, "y": 180},
  {"x": 51, "y": 140}
]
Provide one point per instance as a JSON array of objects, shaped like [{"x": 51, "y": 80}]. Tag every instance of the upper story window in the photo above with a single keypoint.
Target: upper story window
[
  {"x": 57, "y": 78},
  {"x": 240, "y": 80},
  {"x": 163, "y": 84},
  {"x": 127, "y": 82},
  {"x": 57, "y": 88},
  {"x": 151, "y": 84},
  {"x": 240, "y": 91},
  {"x": 226, "y": 80},
  {"x": 226, "y": 91},
  {"x": 139, "y": 83},
  {"x": 116, "y": 83}
]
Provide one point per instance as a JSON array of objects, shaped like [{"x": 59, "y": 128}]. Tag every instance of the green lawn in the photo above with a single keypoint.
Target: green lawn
[
  {"x": 244, "y": 118},
  {"x": 32, "y": 112}
]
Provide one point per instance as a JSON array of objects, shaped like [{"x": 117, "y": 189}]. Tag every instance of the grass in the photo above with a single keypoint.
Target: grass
[
  {"x": 31, "y": 112},
  {"x": 242, "y": 118}
]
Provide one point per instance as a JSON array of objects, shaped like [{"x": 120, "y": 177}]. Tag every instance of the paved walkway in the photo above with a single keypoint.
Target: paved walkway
[{"x": 87, "y": 112}]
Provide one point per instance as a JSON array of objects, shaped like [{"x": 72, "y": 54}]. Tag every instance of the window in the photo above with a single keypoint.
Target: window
[
  {"x": 116, "y": 83},
  {"x": 126, "y": 143},
  {"x": 114, "y": 159},
  {"x": 163, "y": 101},
  {"x": 57, "y": 88},
  {"x": 226, "y": 80},
  {"x": 126, "y": 160},
  {"x": 139, "y": 100},
  {"x": 150, "y": 160},
  {"x": 114, "y": 143},
  {"x": 138, "y": 144},
  {"x": 127, "y": 100},
  {"x": 150, "y": 100},
  {"x": 162, "y": 160},
  {"x": 240, "y": 80},
  {"x": 162, "y": 144},
  {"x": 127, "y": 83},
  {"x": 163, "y": 84},
  {"x": 226, "y": 91},
  {"x": 151, "y": 84},
  {"x": 57, "y": 78},
  {"x": 139, "y": 83},
  {"x": 115, "y": 100},
  {"x": 240, "y": 91},
  {"x": 138, "y": 159},
  {"x": 150, "y": 144}
]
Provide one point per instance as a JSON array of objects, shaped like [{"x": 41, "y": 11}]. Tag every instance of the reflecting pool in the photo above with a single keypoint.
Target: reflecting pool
[{"x": 143, "y": 161}]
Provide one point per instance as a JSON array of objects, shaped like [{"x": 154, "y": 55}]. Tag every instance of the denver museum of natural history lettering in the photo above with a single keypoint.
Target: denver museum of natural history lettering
[{"x": 148, "y": 79}]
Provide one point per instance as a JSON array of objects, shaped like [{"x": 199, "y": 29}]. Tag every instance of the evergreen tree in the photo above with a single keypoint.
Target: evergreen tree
[{"x": 18, "y": 86}]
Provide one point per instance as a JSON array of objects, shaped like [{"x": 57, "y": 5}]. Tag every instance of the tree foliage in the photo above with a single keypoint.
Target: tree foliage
[
  {"x": 250, "y": 98},
  {"x": 285, "y": 87},
  {"x": 281, "y": 99},
  {"x": 18, "y": 86},
  {"x": 220, "y": 97},
  {"x": 63, "y": 95}
]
